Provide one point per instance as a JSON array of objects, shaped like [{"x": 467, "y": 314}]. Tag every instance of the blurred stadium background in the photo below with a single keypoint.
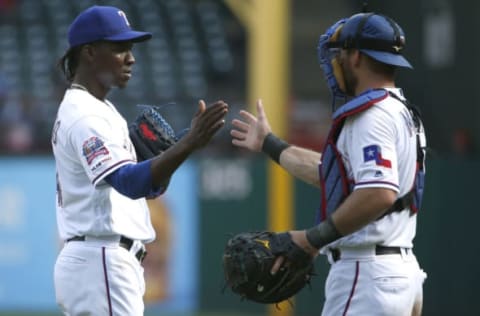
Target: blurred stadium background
[{"x": 202, "y": 49}]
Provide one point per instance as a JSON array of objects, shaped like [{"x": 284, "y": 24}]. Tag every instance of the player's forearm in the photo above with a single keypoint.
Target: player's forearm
[
  {"x": 165, "y": 164},
  {"x": 299, "y": 162},
  {"x": 302, "y": 163},
  {"x": 362, "y": 207}
]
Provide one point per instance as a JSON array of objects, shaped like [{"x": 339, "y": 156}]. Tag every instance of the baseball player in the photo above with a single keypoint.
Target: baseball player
[
  {"x": 370, "y": 174},
  {"x": 102, "y": 213}
]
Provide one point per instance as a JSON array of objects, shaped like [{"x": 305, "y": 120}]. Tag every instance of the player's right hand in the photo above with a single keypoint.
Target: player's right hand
[
  {"x": 250, "y": 132},
  {"x": 206, "y": 123}
]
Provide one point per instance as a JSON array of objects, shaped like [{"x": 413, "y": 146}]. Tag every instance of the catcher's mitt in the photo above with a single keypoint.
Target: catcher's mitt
[
  {"x": 151, "y": 134},
  {"x": 249, "y": 257}
]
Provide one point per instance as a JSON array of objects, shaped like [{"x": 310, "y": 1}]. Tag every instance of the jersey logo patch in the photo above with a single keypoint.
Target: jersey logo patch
[
  {"x": 93, "y": 148},
  {"x": 374, "y": 152}
]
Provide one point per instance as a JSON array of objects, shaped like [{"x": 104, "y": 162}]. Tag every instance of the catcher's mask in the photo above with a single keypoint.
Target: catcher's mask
[{"x": 375, "y": 35}]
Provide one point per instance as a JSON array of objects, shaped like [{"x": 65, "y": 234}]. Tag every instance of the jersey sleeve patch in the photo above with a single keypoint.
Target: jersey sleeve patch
[
  {"x": 374, "y": 152},
  {"x": 93, "y": 148}
]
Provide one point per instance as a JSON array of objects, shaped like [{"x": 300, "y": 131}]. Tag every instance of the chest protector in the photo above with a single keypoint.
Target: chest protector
[{"x": 334, "y": 183}]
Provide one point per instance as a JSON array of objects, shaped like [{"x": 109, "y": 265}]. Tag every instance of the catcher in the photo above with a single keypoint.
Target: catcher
[{"x": 371, "y": 172}]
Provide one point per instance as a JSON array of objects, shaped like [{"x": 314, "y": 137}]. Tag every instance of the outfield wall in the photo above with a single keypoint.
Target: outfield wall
[{"x": 208, "y": 201}]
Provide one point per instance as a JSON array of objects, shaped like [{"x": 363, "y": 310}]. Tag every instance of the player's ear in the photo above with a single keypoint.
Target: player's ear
[
  {"x": 88, "y": 52},
  {"x": 356, "y": 57}
]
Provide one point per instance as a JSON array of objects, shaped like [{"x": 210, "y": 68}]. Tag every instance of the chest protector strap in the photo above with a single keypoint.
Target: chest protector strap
[{"x": 414, "y": 197}]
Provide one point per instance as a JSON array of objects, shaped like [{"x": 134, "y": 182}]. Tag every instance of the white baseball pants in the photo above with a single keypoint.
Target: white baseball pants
[
  {"x": 98, "y": 278},
  {"x": 362, "y": 283}
]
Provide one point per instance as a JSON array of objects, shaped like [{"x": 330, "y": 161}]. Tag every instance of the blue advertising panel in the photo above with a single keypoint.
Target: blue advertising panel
[
  {"x": 28, "y": 233},
  {"x": 29, "y": 240}
]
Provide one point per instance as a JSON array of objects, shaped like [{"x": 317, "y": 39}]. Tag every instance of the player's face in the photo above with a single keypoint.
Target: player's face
[{"x": 113, "y": 63}]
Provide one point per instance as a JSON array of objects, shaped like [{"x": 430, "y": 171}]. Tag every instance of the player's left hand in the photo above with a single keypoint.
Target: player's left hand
[
  {"x": 299, "y": 237},
  {"x": 251, "y": 131},
  {"x": 247, "y": 261}
]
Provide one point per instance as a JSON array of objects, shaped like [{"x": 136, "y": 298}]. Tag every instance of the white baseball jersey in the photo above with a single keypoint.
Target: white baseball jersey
[
  {"x": 90, "y": 140},
  {"x": 378, "y": 148}
]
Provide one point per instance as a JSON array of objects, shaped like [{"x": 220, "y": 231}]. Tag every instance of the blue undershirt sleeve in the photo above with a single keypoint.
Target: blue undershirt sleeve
[{"x": 134, "y": 180}]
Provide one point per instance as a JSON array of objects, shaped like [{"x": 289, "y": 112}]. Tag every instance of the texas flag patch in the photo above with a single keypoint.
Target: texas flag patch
[{"x": 374, "y": 152}]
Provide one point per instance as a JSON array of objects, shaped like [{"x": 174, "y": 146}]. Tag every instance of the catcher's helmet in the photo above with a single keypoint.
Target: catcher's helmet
[{"x": 375, "y": 35}]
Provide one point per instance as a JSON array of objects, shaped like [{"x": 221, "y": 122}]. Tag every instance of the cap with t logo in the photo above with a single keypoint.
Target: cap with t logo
[{"x": 105, "y": 23}]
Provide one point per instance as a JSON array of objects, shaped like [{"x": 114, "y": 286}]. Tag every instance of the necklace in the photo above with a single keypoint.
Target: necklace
[{"x": 78, "y": 86}]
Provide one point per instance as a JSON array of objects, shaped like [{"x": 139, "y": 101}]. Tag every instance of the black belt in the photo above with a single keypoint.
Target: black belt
[
  {"x": 124, "y": 242},
  {"x": 379, "y": 250}
]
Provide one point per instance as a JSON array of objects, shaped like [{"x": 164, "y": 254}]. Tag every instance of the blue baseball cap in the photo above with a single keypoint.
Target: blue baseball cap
[
  {"x": 103, "y": 23},
  {"x": 375, "y": 35}
]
